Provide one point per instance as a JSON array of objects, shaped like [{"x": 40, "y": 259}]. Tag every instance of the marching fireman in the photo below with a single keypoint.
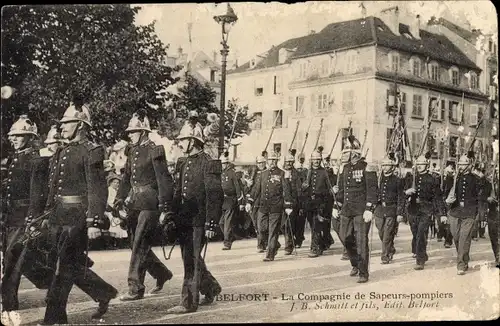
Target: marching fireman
[
  {"x": 318, "y": 196},
  {"x": 261, "y": 167},
  {"x": 356, "y": 196},
  {"x": 273, "y": 192},
  {"x": 198, "y": 200},
  {"x": 146, "y": 191},
  {"x": 479, "y": 228},
  {"x": 301, "y": 216},
  {"x": 493, "y": 218},
  {"x": 233, "y": 200},
  {"x": 77, "y": 195},
  {"x": 327, "y": 226},
  {"x": 423, "y": 199},
  {"x": 465, "y": 202},
  {"x": 389, "y": 210},
  {"x": 444, "y": 228},
  {"x": 21, "y": 198},
  {"x": 290, "y": 221}
]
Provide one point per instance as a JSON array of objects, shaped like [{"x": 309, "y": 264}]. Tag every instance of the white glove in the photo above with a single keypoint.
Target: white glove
[
  {"x": 410, "y": 191},
  {"x": 321, "y": 218},
  {"x": 162, "y": 217},
  {"x": 288, "y": 211},
  {"x": 242, "y": 207},
  {"x": 444, "y": 219},
  {"x": 335, "y": 189},
  {"x": 450, "y": 200},
  {"x": 93, "y": 233},
  {"x": 209, "y": 234},
  {"x": 335, "y": 213},
  {"x": 491, "y": 199},
  {"x": 248, "y": 208},
  {"x": 250, "y": 183},
  {"x": 399, "y": 219},
  {"x": 367, "y": 216}
]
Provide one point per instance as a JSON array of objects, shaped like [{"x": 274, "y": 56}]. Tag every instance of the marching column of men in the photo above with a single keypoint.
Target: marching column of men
[{"x": 62, "y": 190}]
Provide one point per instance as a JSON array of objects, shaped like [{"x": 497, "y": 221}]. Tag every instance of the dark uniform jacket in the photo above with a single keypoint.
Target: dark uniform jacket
[
  {"x": 469, "y": 194},
  {"x": 255, "y": 180},
  {"x": 77, "y": 181},
  {"x": 428, "y": 198},
  {"x": 391, "y": 197},
  {"x": 233, "y": 193},
  {"x": 23, "y": 194},
  {"x": 198, "y": 195},
  {"x": 273, "y": 191},
  {"x": 357, "y": 189},
  {"x": 492, "y": 208},
  {"x": 317, "y": 193},
  {"x": 146, "y": 180},
  {"x": 295, "y": 186}
]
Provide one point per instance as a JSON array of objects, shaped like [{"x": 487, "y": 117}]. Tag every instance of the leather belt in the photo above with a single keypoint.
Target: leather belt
[
  {"x": 71, "y": 199},
  {"x": 20, "y": 202}
]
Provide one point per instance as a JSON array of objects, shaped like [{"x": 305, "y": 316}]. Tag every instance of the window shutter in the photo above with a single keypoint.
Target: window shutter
[
  {"x": 450, "y": 111},
  {"x": 403, "y": 104},
  {"x": 313, "y": 104},
  {"x": 331, "y": 102},
  {"x": 473, "y": 118},
  {"x": 443, "y": 105},
  {"x": 387, "y": 100},
  {"x": 291, "y": 107}
]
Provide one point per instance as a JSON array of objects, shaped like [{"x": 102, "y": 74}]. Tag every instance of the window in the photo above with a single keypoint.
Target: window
[
  {"x": 473, "y": 81},
  {"x": 277, "y": 147},
  {"x": 322, "y": 103},
  {"x": 453, "y": 146},
  {"x": 348, "y": 101},
  {"x": 388, "y": 136},
  {"x": 345, "y": 134},
  {"x": 403, "y": 102},
  {"x": 416, "y": 140},
  {"x": 299, "y": 105},
  {"x": 454, "y": 112},
  {"x": 303, "y": 70},
  {"x": 432, "y": 146},
  {"x": 434, "y": 71},
  {"x": 417, "y": 106},
  {"x": 455, "y": 76},
  {"x": 351, "y": 62},
  {"x": 416, "y": 67},
  {"x": 322, "y": 137},
  {"x": 278, "y": 118},
  {"x": 257, "y": 123},
  {"x": 259, "y": 91},
  {"x": 437, "y": 109},
  {"x": 394, "y": 61},
  {"x": 212, "y": 75},
  {"x": 324, "y": 68},
  {"x": 391, "y": 105},
  {"x": 474, "y": 115}
]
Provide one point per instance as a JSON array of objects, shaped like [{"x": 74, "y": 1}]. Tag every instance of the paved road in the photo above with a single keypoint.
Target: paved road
[{"x": 283, "y": 290}]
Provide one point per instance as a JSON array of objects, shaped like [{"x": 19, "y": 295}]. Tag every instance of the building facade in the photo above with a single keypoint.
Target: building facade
[{"x": 346, "y": 73}]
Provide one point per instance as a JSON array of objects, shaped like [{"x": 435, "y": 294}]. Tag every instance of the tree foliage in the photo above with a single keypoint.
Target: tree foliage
[
  {"x": 201, "y": 97},
  {"x": 51, "y": 53}
]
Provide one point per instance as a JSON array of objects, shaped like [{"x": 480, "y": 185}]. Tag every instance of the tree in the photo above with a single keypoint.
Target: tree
[
  {"x": 200, "y": 97},
  {"x": 52, "y": 53}
]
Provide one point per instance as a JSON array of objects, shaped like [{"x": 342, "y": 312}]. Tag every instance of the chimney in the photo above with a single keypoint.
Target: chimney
[
  {"x": 390, "y": 17},
  {"x": 179, "y": 51},
  {"x": 415, "y": 27}
]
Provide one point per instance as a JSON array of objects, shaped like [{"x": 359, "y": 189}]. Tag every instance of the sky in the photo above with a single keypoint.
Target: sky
[{"x": 262, "y": 25}]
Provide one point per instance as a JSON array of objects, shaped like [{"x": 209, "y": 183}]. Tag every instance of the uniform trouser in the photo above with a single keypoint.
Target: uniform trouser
[
  {"x": 67, "y": 246},
  {"x": 227, "y": 225},
  {"x": 18, "y": 260},
  {"x": 493, "y": 233},
  {"x": 478, "y": 230},
  {"x": 289, "y": 223},
  {"x": 197, "y": 278},
  {"x": 142, "y": 227},
  {"x": 270, "y": 224},
  {"x": 386, "y": 226},
  {"x": 300, "y": 226},
  {"x": 354, "y": 235},
  {"x": 317, "y": 228},
  {"x": 326, "y": 234},
  {"x": 462, "y": 229},
  {"x": 419, "y": 225},
  {"x": 261, "y": 243},
  {"x": 444, "y": 232}
]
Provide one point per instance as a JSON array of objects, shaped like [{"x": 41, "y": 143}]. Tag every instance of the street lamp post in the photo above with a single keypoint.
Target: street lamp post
[{"x": 226, "y": 21}]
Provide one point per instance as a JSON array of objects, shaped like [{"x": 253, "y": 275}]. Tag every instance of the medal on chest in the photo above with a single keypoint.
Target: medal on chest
[
  {"x": 275, "y": 179},
  {"x": 357, "y": 175}
]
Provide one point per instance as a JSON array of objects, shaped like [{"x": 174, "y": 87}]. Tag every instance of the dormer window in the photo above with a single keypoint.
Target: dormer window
[
  {"x": 394, "y": 61},
  {"x": 474, "y": 83},
  {"x": 434, "y": 71},
  {"x": 416, "y": 66},
  {"x": 455, "y": 76}
]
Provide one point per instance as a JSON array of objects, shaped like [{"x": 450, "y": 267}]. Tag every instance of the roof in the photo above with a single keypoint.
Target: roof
[
  {"x": 359, "y": 32},
  {"x": 462, "y": 32}
]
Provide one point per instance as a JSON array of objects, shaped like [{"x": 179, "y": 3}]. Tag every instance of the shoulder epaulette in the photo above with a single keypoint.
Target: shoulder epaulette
[
  {"x": 158, "y": 151},
  {"x": 371, "y": 167},
  {"x": 96, "y": 154}
]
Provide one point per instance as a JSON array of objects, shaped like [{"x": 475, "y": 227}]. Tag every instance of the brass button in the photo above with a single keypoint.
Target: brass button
[{"x": 15, "y": 160}]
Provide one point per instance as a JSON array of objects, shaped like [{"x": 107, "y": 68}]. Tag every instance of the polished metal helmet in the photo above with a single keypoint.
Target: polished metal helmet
[
  {"x": 76, "y": 114},
  {"x": 189, "y": 130},
  {"x": 387, "y": 162},
  {"x": 273, "y": 156},
  {"x": 53, "y": 136},
  {"x": 464, "y": 160},
  {"x": 224, "y": 158},
  {"x": 289, "y": 158},
  {"x": 422, "y": 160},
  {"x": 138, "y": 123},
  {"x": 23, "y": 126},
  {"x": 316, "y": 155},
  {"x": 260, "y": 159}
]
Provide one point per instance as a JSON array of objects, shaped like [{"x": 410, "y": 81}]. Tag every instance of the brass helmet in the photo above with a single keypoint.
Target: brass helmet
[
  {"x": 23, "y": 126},
  {"x": 53, "y": 136},
  {"x": 351, "y": 144},
  {"x": 464, "y": 160},
  {"x": 289, "y": 158},
  {"x": 273, "y": 156},
  {"x": 75, "y": 113},
  {"x": 138, "y": 122},
  {"x": 422, "y": 160},
  {"x": 260, "y": 159},
  {"x": 388, "y": 160},
  {"x": 189, "y": 130},
  {"x": 315, "y": 155},
  {"x": 224, "y": 158}
]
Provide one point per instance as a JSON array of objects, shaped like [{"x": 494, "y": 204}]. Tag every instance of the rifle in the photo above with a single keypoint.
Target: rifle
[
  {"x": 34, "y": 228},
  {"x": 364, "y": 141},
  {"x": 308, "y": 179},
  {"x": 458, "y": 153},
  {"x": 294, "y": 135},
  {"x": 305, "y": 138},
  {"x": 272, "y": 131}
]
